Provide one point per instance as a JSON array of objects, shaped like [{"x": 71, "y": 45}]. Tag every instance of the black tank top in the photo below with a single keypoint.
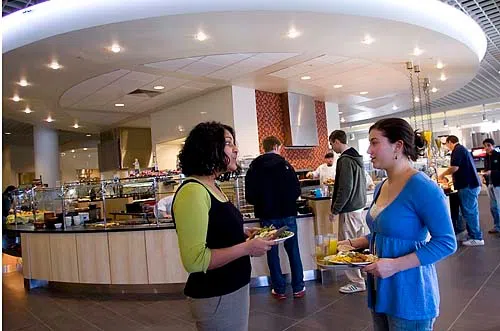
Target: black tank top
[{"x": 225, "y": 229}]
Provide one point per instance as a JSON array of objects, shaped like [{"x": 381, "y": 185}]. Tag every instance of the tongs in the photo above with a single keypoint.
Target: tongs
[{"x": 274, "y": 236}]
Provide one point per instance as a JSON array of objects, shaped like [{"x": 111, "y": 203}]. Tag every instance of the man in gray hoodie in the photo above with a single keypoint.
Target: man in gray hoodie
[{"x": 348, "y": 200}]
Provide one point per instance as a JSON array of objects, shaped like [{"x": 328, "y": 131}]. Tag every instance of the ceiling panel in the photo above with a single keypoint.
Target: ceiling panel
[
  {"x": 168, "y": 82},
  {"x": 225, "y": 59},
  {"x": 98, "y": 118},
  {"x": 173, "y": 65},
  {"x": 200, "y": 68}
]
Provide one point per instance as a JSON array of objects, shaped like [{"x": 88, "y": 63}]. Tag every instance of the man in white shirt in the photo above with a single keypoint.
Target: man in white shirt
[
  {"x": 164, "y": 207},
  {"x": 324, "y": 171}
]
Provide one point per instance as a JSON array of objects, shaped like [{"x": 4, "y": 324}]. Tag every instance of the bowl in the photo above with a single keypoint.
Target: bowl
[
  {"x": 58, "y": 225},
  {"x": 39, "y": 225}
]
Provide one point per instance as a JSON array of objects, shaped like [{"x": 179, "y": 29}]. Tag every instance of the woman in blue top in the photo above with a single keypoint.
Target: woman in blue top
[{"x": 403, "y": 285}]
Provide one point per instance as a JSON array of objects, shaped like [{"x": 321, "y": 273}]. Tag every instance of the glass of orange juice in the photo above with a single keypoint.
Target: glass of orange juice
[
  {"x": 321, "y": 248},
  {"x": 332, "y": 244}
]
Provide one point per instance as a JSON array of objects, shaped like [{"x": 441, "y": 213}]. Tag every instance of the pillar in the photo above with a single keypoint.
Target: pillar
[{"x": 46, "y": 151}]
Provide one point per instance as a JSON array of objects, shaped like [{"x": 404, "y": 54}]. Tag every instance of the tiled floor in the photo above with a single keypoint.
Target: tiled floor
[{"x": 470, "y": 300}]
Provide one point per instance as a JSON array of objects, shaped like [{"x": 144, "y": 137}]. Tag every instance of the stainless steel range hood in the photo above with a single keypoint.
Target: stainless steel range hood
[{"x": 300, "y": 120}]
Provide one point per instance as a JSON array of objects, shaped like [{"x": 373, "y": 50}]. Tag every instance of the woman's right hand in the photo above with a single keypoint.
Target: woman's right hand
[{"x": 259, "y": 246}]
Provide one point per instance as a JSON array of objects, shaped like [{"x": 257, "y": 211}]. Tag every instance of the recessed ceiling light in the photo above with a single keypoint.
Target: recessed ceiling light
[
  {"x": 443, "y": 77},
  {"x": 54, "y": 65},
  {"x": 439, "y": 65},
  {"x": 90, "y": 155},
  {"x": 62, "y": 154},
  {"x": 76, "y": 126},
  {"x": 367, "y": 40},
  {"x": 23, "y": 82},
  {"x": 342, "y": 119},
  {"x": 180, "y": 128},
  {"x": 340, "y": 112},
  {"x": 88, "y": 135},
  {"x": 434, "y": 89},
  {"x": 119, "y": 105},
  {"x": 74, "y": 156},
  {"x": 7, "y": 133},
  {"x": 338, "y": 86},
  {"x": 305, "y": 77},
  {"x": 115, "y": 48},
  {"x": 394, "y": 107},
  {"x": 292, "y": 33},
  {"x": 417, "y": 99},
  {"x": 85, "y": 148},
  {"x": 201, "y": 36},
  {"x": 27, "y": 110},
  {"x": 72, "y": 151},
  {"x": 417, "y": 51},
  {"x": 158, "y": 87},
  {"x": 49, "y": 119},
  {"x": 363, "y": 93},
  {"x": 203, "y": 112},
  {"x": 16, "y": 98}
]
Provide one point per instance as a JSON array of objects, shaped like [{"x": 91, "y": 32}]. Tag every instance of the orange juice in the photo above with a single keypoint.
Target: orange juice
[
  {"x": 320, "y": 253},
  {"x": 332, "y": 247}
]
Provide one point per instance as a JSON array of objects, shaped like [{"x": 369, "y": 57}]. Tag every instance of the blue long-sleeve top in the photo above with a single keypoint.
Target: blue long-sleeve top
[{"x": 401, "y": 228}]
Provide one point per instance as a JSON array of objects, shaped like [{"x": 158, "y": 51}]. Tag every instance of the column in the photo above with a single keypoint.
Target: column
[
  {"x": 46, "y": 148},
  {"x": 332, "y": 117},
  {"x": 245, "y": 121}
]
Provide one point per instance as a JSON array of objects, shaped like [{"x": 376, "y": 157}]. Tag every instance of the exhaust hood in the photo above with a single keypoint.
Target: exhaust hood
[{"x": 300, "y": 120}]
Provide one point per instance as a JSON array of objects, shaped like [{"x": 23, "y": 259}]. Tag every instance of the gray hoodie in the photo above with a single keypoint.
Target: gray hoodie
[{"x": 349, "y": 191}]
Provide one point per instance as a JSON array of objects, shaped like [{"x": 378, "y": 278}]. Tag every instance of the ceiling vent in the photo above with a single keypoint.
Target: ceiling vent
[{"x": 144, "y": 93}]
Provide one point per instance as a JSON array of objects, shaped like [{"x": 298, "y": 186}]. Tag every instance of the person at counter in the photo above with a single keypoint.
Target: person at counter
[
  {"x": 491, "y": 174},
  {"x": 271, "y": 185},
  {"x": 324, "y": 171},
  {"x": 212, "y": 239},
  {"x": 348, "y": 201},
  {"x": 467, "y": 183},
  {"x": 164, "y": 207},
  {"x": 403, "y": 290}
]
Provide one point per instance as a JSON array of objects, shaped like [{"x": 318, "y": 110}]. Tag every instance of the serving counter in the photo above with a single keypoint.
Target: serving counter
[{"x": 128, "y": 258}]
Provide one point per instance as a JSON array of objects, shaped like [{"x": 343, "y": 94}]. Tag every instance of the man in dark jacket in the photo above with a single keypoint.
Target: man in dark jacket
[
  {"x": 491, "y": 175},
  {"x": 271, "y": 185},
  {"x": 348, "y": 200}
]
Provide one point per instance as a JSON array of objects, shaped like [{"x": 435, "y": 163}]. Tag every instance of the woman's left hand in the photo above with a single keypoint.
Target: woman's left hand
[{"x": 383, "y": 268}]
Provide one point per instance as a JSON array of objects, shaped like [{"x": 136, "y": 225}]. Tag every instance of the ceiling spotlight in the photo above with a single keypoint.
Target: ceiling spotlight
[
  {"x": 485, "y": 119},
  {"x": 7, "y": 133},
  {"x": 367, "y": 40},
  {"x": 305, "y": 77},
  {"x": 119, "y": 105},
  {"x": 88, "y": 135},
  {"x": 158, "y": 87},
  {"x": 340, "y": 112},
  {"x": 434, "y": 90},
  {"x": 417, "y": 51},
  {"x": 201, "y": 36},
  {"x": 338, "y": 86},
  {"x": 115, "y": 48},
  {"x": 23, "y": 82},
  {"x": 72, "y": 151},
  {"x": 27, "y": 110},
  {"x": 62, "y": 154},
  {"x": 394, "y": 107},
  {"x": 445, "y": 123},
  {"x": 49, "y": 119},
  {"x": 180, "y": 128},
  {"x": 76, "y": 126},
  {"x": 363, "y": 93},
  {"x": 89, "y": 155},
  {"x": 443, "y": 77},
  {"x": 292, "y": 33},
  {"x": 16, "y": 98},
  {"x": 342, "y": 120},
  {"x": 54, "y": 65},
  {"x": 85, "y": 148},
  {"x": 417, "y": 99},
  {"x": 203, "y": 112},
  {"x": 439, "y": 65}
]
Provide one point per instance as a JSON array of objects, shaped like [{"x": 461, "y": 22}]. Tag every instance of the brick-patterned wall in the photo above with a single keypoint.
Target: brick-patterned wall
[{"x": 270, "y": 122}]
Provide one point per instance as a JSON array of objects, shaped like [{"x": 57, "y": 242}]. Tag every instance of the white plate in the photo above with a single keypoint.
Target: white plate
[{"x": 280, "y": 240}]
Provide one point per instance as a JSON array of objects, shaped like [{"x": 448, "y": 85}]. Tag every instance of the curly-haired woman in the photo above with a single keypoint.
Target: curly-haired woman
[{"x": 212, "y": 239}]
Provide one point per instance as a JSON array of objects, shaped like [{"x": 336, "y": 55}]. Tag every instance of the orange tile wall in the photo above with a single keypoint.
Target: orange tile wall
[{"x": 270, "y": 122}]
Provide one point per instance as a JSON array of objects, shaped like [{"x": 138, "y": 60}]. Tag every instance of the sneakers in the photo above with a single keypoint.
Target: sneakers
[
  {"x": 278, "y": 296},
  {"x": 299, "y": 294},
  {"x": 352, "y": 288},
  {"x": 494, "y": 230},
  {"x": 462, "y": 236},
  {"x": 473, "y": 242}
]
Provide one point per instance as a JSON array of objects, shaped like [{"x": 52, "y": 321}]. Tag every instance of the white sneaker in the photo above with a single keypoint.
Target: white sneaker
[
  {"x": 462, "y": 236},
  {"x": 473, "y": 242},
  {"x": 352, "y": 288}
]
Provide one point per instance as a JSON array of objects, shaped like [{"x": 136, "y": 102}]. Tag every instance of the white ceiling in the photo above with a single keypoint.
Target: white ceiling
[{"x": 246, "y": 47}]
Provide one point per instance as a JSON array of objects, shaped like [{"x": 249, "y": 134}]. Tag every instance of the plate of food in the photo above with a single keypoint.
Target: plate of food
[
  {"x": 271, "y": 233},
  {"x": 351, "y": 258}
]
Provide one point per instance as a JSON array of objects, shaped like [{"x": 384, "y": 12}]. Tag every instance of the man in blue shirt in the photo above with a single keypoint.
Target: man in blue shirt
[{"x": 467, "y": 183}]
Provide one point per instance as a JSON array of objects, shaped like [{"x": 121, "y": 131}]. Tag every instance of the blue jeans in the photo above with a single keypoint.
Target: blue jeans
[
  {"x": 292, "y": 250},
  {"x": 494, "y": 194},
  {"x": 384, "y": 322},
  {"x": 470, "y": 212}
]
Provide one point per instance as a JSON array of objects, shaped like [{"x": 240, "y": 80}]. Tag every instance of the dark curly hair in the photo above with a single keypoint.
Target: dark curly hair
[
  {"x": 395, "y": 129},
  {"x": 203, "y": 151}
]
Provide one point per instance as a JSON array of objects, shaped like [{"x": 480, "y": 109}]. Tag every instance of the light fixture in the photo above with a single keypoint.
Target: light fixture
[
  {"x": 338, "y": 86},
  {"x": 158, "y": 87},
  {"x": 342, "y": 120},
  {"x": 417, "y": 99},
  {"x": 203, "y": 112},
  {"x": 485, "y": 119},
  {"x": 119, "y": 105},
  {"x": 63, "y": 154},
  {"x": 27, "y": 110},
  {"x": 90, "y": 155},
  {"x": 434, "y": 90},
  {"x": 16, "y": 98},
  {"x": 445, "y": 121},
  {"x": 340, "y": 112},
  {"x": 115, "y": 48},
  {"x": 443, "y": 77},
  {"x": 394, "y": 107},
  {"x": 292, "y": 33},
  {"x": 55, "y": 65},
  {"x": 7, "y": 133},
  {"x": 49, "y": 119},
  {"x": 201, "y": 36},
  {"x": 352, "y": 136},
  {"x": 23, "y": 82},
  {"x": 439, "y": 65},
  {"x": 74, "y": 156},
  {"x": 180, "y": 128},
  {"x": 305, "y": 77},
  {"x": 368, "y": 40},
  {"x": 363, "y": 93},
  {"x": 85, "y": 148},
  {"x": 76, "y": 126},
  {"x": 88, "y": 135},
  {"x": 417, "y": 51},
  {"x": 72, "y": 151}
]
